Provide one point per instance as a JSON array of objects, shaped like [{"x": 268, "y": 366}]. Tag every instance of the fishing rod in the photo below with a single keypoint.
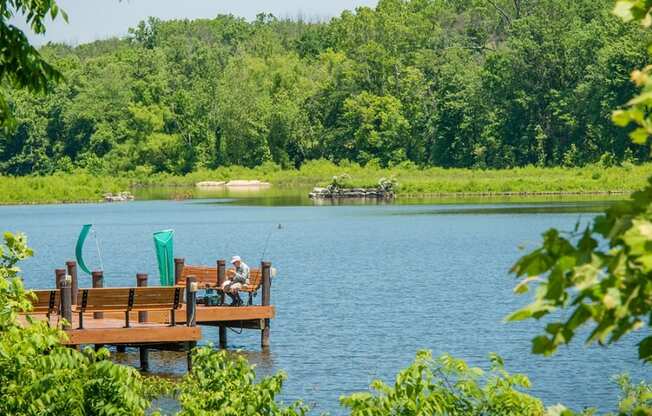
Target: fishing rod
[
  {"x": 269, "y": 235},
  {"x": 97, "y": 245}
]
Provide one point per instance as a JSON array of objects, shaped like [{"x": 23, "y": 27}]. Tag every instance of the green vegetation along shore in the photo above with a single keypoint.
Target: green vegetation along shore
[{"x": 412, "y": 181}]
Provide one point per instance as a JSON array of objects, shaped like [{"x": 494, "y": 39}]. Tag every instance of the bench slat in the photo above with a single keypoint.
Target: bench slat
[
  {"x": 47, "y": 301},
  {"x": 117, "y": 299},
  {"x": 207, "y": 276}
]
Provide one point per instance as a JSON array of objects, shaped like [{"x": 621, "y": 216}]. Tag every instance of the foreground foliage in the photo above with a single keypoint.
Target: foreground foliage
[
  {"x": 21, "y": 65},
  {"x": 603, "y": 273},
  {"x": 224, "y": 385},
  {"x": 447, "y": 386}
]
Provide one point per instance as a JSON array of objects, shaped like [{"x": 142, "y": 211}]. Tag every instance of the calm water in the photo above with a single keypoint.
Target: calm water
[{"x": 360, "y": 288}]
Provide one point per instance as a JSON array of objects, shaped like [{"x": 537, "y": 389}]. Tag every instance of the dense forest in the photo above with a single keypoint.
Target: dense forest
[{"x": 450, "y": 83}]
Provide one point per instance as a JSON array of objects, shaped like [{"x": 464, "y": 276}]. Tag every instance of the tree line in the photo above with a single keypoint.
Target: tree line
[{"x": 450, "y": 83}]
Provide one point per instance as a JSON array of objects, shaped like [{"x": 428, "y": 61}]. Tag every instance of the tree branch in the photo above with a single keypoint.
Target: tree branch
[{"x": 501, "y": 11}]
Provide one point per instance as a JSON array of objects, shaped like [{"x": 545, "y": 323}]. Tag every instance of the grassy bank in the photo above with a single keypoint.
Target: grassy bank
[{"x": 81, "y": 186}]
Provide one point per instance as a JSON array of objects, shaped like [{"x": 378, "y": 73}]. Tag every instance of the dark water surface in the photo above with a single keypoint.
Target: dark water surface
[{"x": 359, "y": 290}]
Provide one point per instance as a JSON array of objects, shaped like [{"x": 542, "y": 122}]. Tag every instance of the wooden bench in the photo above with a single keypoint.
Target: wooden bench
[
  {"x": 45, "y": 302},
  {"x": 129, "y": 299},
  {"x": 207, "y": 277}
]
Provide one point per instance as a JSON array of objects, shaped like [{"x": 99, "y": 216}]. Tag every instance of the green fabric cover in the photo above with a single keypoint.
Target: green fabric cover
[
  {"x": 164, "y": 244},
  {"x": 80, "y": 247}
]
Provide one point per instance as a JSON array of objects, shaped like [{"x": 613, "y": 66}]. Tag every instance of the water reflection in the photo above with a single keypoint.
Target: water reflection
[
  {"x": 299, "y": 197},
  {"x": 541, "y": 208}
]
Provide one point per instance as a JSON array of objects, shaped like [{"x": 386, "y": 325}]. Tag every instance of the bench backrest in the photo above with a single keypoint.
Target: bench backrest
[
  {"x": 205, "y": 275},
  {"x": 129, "y": 298},
  {"x": 255, "y": 277},
  {"x": 46, "y": 301}
]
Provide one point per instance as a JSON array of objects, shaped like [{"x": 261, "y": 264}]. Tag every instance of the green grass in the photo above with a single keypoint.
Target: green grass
[{"x": 83, "y": 187}]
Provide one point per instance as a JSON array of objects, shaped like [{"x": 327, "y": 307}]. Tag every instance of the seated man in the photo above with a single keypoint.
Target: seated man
[{"x": 241, "y": 277}]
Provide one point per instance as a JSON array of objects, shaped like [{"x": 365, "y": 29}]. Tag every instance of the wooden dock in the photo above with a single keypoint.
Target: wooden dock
[{"x": 146, "y": 317}]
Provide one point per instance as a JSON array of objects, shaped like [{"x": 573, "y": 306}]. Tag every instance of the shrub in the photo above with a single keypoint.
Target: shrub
[
  {"x": 447, "y": 386},
  {"x": 224, "y": 385}
]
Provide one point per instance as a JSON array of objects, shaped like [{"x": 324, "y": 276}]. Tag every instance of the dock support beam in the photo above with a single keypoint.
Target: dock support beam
[
  {"x": 71, "y": 267},
  {"x": 265, "y": 268},
  {"x": 191, "y": 312},
  {"x": 141, "y": 281},
  {"x": 221, "y": 277}
]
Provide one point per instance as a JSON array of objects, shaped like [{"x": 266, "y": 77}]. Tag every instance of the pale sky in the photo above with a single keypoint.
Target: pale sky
[{"x": 90, "y": 20}]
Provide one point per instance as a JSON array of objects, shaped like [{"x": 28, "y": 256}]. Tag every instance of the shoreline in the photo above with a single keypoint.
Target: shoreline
[
  {"x": 411, "y": 183},
  {"x": 404, "y": 196}
]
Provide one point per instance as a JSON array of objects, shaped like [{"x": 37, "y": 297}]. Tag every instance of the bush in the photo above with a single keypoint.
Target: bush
[
  {"x": 447, "y": 386},
  {"x": 225, "y": 385}
]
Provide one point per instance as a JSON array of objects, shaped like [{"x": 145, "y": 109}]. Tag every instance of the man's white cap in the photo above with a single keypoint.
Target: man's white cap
[{"x": 235, "y": 258}]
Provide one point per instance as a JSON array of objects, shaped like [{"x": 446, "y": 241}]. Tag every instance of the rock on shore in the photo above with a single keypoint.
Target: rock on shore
[
  {"x": 238, "y": 183},
  {"x": 247, "y": 184},
  {"x": 210, "y": 184},
  {"x": 376, "y": 193},
  {"x": 119, "y": 197}
]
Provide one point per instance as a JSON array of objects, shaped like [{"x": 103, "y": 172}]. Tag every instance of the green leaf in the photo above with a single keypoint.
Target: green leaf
[
  {"x": 639, "y": 136},
  {"x": 623, "y": 9},
  {"x": 542, "y": 345},
  {"x": 621, "y": 118},
  {"x": 645, "y": 349}
]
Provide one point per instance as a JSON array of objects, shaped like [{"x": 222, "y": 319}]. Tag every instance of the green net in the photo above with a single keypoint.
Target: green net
[
  {"x": 164, "y": 244},
  {"x": 80, "y": 248}
]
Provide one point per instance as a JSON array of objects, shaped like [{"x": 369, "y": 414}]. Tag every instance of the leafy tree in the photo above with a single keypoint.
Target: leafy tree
[
  {"x": 21, "y": 65},
  {"x": 375, "y": 129}
]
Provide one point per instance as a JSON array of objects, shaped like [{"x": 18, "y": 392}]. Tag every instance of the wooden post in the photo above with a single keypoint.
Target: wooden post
[
  {"x": 191, "y": 312},
  {"x": 66, "y": 302},
  {"x": 71, "y": 267},
  {"x": 59, "y": 277},
  {"x": 98, "y": 281},
  {"x": 265, "y": 268},
  {"x": 178, "y": 269},
  {"x": 221, "y": 277},
  {"x": 141, "y": 281}
]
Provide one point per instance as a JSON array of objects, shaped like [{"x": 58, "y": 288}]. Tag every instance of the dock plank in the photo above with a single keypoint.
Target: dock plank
[
  {"x": 112, "y": 331},
  {"x": 133, "y": 335},
  {"x": 216, "y": 314}
]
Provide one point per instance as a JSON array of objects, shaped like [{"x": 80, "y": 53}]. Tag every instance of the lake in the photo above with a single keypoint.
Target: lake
[{"x": 360, "y": 288}]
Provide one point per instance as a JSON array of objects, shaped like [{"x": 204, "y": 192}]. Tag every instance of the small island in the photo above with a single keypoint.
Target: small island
[{"x": 339, "y": 188}]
